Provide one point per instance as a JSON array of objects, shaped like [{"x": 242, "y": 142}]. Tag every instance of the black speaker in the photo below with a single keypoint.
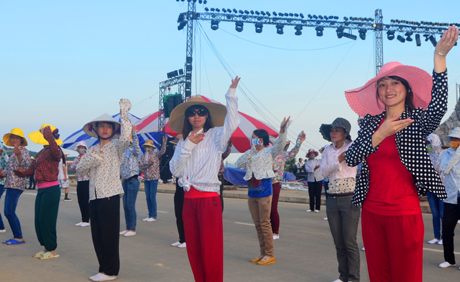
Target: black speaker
[{"x": 165, "y": 172}]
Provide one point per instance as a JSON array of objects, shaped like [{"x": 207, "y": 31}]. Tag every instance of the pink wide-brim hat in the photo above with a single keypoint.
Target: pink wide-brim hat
[{"x": 363, "y": 100}]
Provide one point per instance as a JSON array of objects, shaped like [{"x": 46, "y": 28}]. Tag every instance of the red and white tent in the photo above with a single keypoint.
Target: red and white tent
[{"x": 241, "y": 138}]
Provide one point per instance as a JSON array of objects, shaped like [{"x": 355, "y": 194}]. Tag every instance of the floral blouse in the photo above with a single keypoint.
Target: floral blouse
[
  {"x": 130, "y": 164},
  {"x": 13, "y": 181},
  {"x": 280, "y": 161},
  {"x": 150, "y": 163},
  {"x": 73, "y": 166},
  {"x": 3, "y": 162}
]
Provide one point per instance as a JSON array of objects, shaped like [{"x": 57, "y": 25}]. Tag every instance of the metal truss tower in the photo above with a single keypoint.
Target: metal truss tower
[{"x": 378, "y": 40}]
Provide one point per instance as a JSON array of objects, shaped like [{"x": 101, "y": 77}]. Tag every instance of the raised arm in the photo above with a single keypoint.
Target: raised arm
[
  {"x": 278, "y": 147},
  {"x": 244, "y": 159},
  {"x": 136, "y": 148},
  {"x": 126, "y": 128},
  {"x": 163, "y": 147},
  {"x": 228, "y": 150},
  {"x": 232, "y": 119},
  {"x": 291, "y": 154}
]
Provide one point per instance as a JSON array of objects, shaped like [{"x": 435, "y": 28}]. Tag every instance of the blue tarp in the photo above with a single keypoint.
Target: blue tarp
[{"x": 235, "y": 176}]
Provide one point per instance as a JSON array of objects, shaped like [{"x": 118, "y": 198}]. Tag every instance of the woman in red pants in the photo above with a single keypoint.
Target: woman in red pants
[{"x": 396, "y": 165}]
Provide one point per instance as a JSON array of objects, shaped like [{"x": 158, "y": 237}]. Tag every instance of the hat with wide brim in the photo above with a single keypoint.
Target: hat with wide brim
[
  {"x": 82, "y": 144},
  {"x": 311, "y": 151},
  {"x": 17, "y": 132},
  {"x": 363, "y": 100},
  {"x": 90, "y": 127},
  {"x": 455, "y": 133},
  {"x": 217, "y": 113},
  {"x": 325, "y": 129},
  {"x": 149, "y": 143},
  {"x": 38, "y": 138}
]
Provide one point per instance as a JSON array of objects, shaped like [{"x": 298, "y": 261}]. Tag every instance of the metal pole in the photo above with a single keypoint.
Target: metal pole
[
  {"x": 378, "y": 40},
  {"x": 189, "y": 52}
]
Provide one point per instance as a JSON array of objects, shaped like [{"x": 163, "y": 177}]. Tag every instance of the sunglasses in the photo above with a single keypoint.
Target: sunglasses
[{"x": 200, "y": 112}]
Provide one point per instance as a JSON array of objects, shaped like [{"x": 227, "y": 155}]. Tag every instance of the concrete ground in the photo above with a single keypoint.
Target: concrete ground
[{"x": 305, "y": 251}]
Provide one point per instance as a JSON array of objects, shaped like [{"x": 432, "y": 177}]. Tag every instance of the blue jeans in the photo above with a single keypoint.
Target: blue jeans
[
  {"x": 2, "y": 189},
  {"x": 437, "y": 210},
  {"x": 131, "y": 188},
  {"x": 11, "y": 202},
  {"x": 151, "y": 196}
]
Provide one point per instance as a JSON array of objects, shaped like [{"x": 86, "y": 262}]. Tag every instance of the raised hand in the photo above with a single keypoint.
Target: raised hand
[
  {"x": 235, "y": 82},
  {"x": 133, "y": 128},
  {"x": 196, "y": 138},
  {"x": 303, "y": 136},
  {"x": 342, "y": 156},
  {"x": 389, "y": 127},
  {"x": 283, "y": 124},
  {"x": 448, "y": 40}
]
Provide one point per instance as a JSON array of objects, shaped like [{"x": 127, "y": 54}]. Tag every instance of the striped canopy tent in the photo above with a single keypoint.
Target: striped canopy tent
[
  {"x": 72, "y": 141},
  {"x": 241, "y": 138}
]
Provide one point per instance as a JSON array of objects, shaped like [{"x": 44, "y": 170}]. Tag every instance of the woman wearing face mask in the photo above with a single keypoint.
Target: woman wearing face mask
[
  {"x": 258, "y": 163},
  {"x": 396, "y": 165},
  {"x": 436, "y": 204},
  {"x": 342, "y": 215},
  {"x": 449, "y": 164},
  {"x": 82, "y": 185},
  {"x": 150, "y": 166},
  {"x": 206, "y": 128},
  {"x": 14, "y": 184}
]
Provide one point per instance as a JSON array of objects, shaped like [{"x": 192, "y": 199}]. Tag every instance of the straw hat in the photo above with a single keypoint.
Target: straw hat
[
  {"x": 149, "y": 143},
  {"x": 38, "y": 138},
  {"x": 176, "y": 140},
  {"x": 362, "y": 100},
  {"x": 90, "y": 127},
  {"x": 311, "y": 151},
  {"x": 217, "y": 113},
  {"x": 325, "y": 129},
  {"x": 17, "y": 132},
  {"x": 82, "y": 144}
]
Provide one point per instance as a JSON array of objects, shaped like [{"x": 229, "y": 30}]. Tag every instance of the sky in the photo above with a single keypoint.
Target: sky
[{"x": 68, "y": 62}]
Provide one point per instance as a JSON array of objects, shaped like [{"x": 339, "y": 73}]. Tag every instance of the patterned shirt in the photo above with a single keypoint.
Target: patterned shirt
[
  {"x": 261, "y": 163},
  {"x": 280, "y": 161},
  {"x": 130, "y": 164},
  {"x": 45, "y": 167},
  {"x": 103, "y": 164},
  {"x": 198, "y": 164},
  {"x": 150, "y": 163},
  {"x": 3, "y": 162},
  {"x": 12, "y": 180},
  {"x": 224, "y": 156},
  {"x": 450, "y": 166},
  {"x": 73, "y": 166}
]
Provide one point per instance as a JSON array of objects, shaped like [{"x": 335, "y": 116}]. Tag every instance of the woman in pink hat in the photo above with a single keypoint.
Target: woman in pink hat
[{"x": 402, "y": 105}]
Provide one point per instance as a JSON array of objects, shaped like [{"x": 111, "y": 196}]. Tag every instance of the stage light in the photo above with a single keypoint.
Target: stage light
[
  {"x": 212, "y": 9},
  {"x": 246, "y": 12},
  {"x": 239, "y": 26},
  {"x": 257, "y": 13},
  {"x": 401, "y": 39},
  {"x": 252, "y": 12},
  {"x": 263, "y": 13},
  {"x": 408, "y": 36},
  {"x": 224, "y": 10},
  {"x": 279, "y": 28},
  {"x": 241, "y": 11},
  {"x": 275, "y": 14},
  {"x": 433, "y": 40},
  {"x": 345, "y": 19},
  {"x": 298, "y": 30},
  {"x": 296, "y": 15},
  {"x": 320, "y": 17},
  {"x": 181, "y": 71},
  {"x": 206, "y": 9},
  {"x": 349, "y": 36},
  {"x": 319, "y": 30},
  {"x": 339, "y": 31},
  {"x": 214, "y": 25},
  {"x": 291, "y": 14},
  {"x": 301, "y": 15},
  {"x": 235, "y": 11},
  {"x": 417, "y": 40},
  {"x": 259, "y": 27},
  {"x": 182, "y": 25},
  {"x": 362, "y": 33},
  {"x": 390, "y": 34},
  {"x": 200, "y": 1},
  {"x": 309, "y": 16},
  {"x": 268, "y": 13},
  {"x": 205, "y": 2}
]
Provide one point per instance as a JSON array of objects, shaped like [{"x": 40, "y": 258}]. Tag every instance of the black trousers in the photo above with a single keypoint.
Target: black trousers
[
  {"x": 314, "y": 192},
  {"x": 31, "y": 182},
  {"x": 105, "y": 228},
  {"x": 83, "y": 199},
  {"x": 178, "y": 207},
  {"x": 451, "y": 216},
  {"x": 221, "y": 179}
]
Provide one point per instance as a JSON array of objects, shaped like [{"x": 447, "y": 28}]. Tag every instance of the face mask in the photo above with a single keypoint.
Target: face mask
[
  {"x": 255, "y": 141},
  {"x": 429, "y": 148},
  {"x": 81, "y": 151},
  {"x": 454, "y": 144}
]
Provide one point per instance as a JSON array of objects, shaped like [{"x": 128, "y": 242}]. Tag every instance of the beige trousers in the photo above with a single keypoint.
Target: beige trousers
[{"x": 260, "y": 211}]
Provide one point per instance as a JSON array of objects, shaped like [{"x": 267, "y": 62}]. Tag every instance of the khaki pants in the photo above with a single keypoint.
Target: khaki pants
[{"x": 260, "y": 211}]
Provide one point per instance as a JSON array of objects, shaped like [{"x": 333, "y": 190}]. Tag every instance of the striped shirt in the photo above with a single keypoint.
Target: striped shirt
[{"x": 198, "y": 165}]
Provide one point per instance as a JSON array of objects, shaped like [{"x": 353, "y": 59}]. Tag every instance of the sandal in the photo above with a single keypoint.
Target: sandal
[
  {"x": 13, "y": 242},
  {"x": 48, "y": 255},
  {"x": 39, "y": 254}
]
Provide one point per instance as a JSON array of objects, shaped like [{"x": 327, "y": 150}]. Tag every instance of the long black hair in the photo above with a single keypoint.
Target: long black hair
[
  {"x": 409, "y": 93},
  {"x": 262, "y": 133},
  {"x": 188, "y": 126}
]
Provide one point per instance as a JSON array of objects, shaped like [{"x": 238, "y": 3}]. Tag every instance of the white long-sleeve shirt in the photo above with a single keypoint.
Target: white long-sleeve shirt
[
  {"x": 198, "y": 165},
  {"x": 330, "y": 165},
  {"x": 312, "y": 174}
]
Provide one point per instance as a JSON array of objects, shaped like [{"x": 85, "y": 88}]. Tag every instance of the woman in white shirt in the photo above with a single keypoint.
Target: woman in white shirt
[
  {"x": 206, "y": 129},
  {"x": 342, "y": 215},
  {"x": 315, "y": 180}
]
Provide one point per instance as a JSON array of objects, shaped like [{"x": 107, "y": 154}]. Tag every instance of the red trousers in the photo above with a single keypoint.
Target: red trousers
[
  {"x": 205, "y": 238},
  {"x": 274, "y": 216},
  {"x": 394, "y": 247}
]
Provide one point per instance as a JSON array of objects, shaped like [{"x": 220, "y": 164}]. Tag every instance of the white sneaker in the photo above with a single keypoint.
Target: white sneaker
[
  {"x": 276, "y": 237},
  {"x": 130, "y": 233},
  {"x": 145, "y": 219},
  {"x": 84, "y": 224},
  {"x": 183, "y": 245},
  {"x": 325, "y": 218},
  {"x": 2, "y": 230},
  {"x": 433, "y": 241},
  {"x": 151, "y": 219},
  {"x": 458, "y": 221},
  {"x": 440, "y": 242},
  {"x": 363, "y": 249},
  {"x": 94, "y": 276},
  {"x": 308, "y": 210},
  {"x": 446, "y": 265},
  {"x": 79, "y": 224},
  {"x": 175, "y": 244},
  {"x": 316, "y": 210},
  {"x": 104, "y": 277},
  {"x": 123, "y": 232}
]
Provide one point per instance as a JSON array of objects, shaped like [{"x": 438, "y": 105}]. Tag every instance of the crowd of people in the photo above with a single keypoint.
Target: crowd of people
[{"x": 377, "y": 177}]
